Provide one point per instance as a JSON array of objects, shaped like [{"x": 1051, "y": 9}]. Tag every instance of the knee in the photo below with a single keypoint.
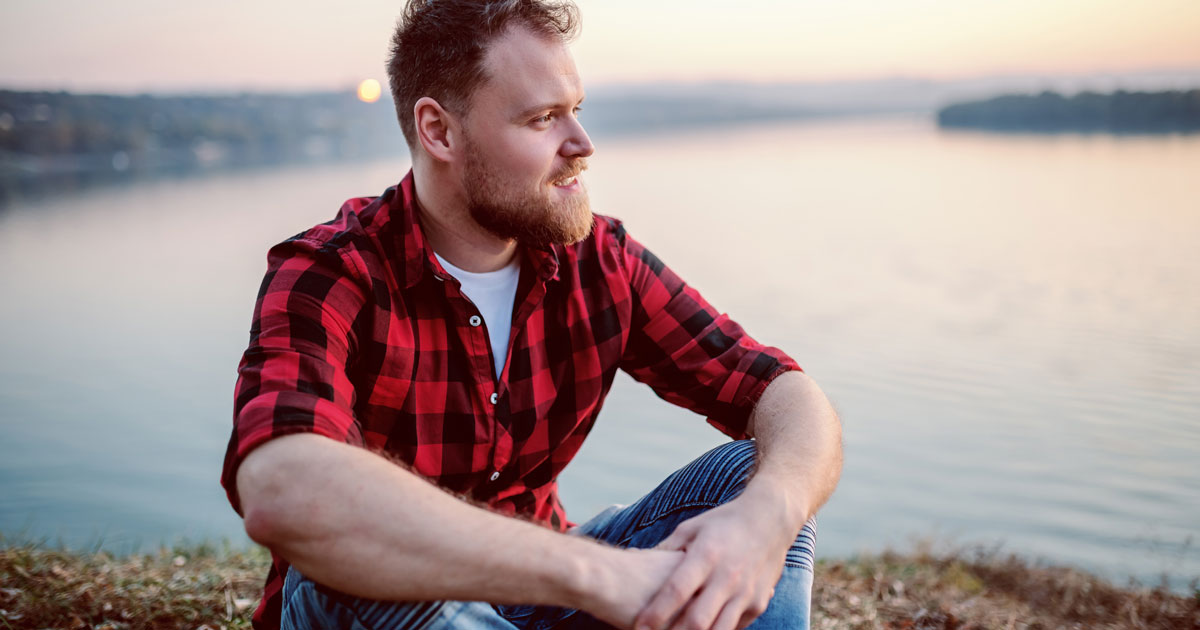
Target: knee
[
  {"x": 735, "y": 459},
  {"x": 725, "y": 469},
  {"x": 741, "y": 455}
]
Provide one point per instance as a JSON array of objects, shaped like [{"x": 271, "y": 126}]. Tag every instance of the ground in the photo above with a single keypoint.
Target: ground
[{"x": 204, "y": 586}]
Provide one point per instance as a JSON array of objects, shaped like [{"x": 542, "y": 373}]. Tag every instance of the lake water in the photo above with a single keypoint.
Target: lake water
[{"x": 1008, "y": 325}]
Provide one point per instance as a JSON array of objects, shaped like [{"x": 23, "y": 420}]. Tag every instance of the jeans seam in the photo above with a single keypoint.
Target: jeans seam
[{"x": 691, "y": 505}]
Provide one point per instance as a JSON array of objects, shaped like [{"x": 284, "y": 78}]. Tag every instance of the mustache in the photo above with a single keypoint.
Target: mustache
[{"x": 571, "y": 169}]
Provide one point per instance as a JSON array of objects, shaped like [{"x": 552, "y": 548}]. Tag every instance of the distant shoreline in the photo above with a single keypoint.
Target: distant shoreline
[
  {"x": 63, "y": 140},
  {"x": 1087, "y": 112},
  {"x": 191, "y": 586}
]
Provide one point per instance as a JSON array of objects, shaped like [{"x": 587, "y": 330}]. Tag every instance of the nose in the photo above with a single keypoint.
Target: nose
[{"x": 577, "y": 144}]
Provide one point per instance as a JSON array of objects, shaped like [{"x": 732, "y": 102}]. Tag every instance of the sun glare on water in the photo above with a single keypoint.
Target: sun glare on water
[{"x": 368, "y": 91}]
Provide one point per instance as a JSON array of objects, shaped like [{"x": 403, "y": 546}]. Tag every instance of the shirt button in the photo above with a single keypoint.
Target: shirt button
[
  {"x": 475, "y": 320},
  {"x": 495, "y": 397},
  {"x": 495, "y": 475}
]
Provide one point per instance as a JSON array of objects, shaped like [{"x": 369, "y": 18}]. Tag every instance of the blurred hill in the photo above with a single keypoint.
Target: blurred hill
[
  {"x": 1119, "y": 112},
  {"x": 49, "y": 134},
  {"x": 54, "y": 141}
]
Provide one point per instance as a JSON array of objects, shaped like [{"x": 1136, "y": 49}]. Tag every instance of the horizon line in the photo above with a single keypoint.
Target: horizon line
[{"x": 1185, "y": 72}]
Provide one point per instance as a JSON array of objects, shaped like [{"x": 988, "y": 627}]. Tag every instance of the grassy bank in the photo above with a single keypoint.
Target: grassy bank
[{"x": 203, "y": 586}]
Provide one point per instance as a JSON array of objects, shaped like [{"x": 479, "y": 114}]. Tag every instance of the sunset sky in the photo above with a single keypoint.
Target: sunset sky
[{"x": 134, "y": 45}]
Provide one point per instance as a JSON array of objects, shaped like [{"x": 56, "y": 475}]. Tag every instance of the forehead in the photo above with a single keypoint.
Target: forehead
[{"x": 526, "y": 69}]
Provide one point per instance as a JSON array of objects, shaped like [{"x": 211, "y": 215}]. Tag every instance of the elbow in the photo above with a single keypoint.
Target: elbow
[
  {"x": 261, "y": 526},
  {"x": 262, "y": 511},
  {"x": 266, "y": 483}
]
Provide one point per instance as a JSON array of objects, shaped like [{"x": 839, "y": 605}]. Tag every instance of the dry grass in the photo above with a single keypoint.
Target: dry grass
[
  {"x": 204, "y": 587},
  {"x": 975, "y": 590},
  {"x": 189, "y": 587}
]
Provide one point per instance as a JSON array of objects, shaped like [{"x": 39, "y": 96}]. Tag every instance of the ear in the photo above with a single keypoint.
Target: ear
[{"x": 437, "y": 129}]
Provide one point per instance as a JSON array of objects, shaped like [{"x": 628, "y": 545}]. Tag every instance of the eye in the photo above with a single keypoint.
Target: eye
[{"x": 543, "y": 119}]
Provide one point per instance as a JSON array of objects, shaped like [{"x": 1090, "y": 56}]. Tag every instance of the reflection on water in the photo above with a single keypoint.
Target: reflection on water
[{"x": 1007, "y": 324}]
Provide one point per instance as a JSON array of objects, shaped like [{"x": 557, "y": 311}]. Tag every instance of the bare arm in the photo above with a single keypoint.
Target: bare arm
[
  {"x": 356, "y": 522},
  {"x": 800, "y": 446},
  {"x": 734, "y": 553}
]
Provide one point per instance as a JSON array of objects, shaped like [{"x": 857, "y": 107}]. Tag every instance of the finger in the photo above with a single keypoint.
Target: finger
[
  {"x": 673, "y": 595},
  {"x": 703, "y": 609},
  {"x": 678, "y": 540},
  {"x": 751, "y": 613},
  {"x": 732, "y": 617}
]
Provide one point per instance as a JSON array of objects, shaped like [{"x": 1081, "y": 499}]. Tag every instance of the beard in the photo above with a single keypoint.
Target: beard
[{"x": 528, "y": 215}]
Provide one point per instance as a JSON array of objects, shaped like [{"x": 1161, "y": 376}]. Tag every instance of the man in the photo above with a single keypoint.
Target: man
[{"x": 421, "y": 368}]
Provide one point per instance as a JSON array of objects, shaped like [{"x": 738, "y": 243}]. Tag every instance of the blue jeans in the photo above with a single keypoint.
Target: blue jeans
[{"x": 713, "y": 479}]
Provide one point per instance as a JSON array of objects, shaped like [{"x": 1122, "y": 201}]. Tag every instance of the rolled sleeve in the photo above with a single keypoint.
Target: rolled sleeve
[
  {"x": 293, "y": 375},
  {"x": 689, "y": 353}
]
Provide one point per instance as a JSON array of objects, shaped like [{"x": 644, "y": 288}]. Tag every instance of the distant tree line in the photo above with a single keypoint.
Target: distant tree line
[
  {"x": 52, "y": 141},
  {"x": 52, "y": 136},
  {"x": 1119, "y": 112}
]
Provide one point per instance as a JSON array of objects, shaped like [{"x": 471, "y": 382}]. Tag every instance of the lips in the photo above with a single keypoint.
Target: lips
[{"x": 570, "y": 175}]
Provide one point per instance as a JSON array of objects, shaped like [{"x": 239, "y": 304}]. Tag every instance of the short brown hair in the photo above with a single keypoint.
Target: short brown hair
[{"x": 439, "y": 46}]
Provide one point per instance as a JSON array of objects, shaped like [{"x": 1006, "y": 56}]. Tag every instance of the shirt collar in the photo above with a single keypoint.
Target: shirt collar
[{"x": 418, "y": 255}]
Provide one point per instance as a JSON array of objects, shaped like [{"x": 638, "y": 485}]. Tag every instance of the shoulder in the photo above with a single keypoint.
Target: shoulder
[
  {"x": 610, "y": 237},
  {"x": 342, "y": 234},
  {"x": 349, "y": 242}
]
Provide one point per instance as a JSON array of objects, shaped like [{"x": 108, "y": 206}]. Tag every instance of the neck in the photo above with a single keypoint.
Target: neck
[{"x": 447, "y": 224}]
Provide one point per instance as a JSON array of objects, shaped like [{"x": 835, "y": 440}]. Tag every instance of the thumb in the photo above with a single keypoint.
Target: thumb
[{"x": 677, "y": 541}]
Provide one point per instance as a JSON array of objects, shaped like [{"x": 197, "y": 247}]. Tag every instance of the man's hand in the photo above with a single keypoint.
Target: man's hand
[
  {"x": 624, "y": 585},
  {"x": 733, "y": 557}
]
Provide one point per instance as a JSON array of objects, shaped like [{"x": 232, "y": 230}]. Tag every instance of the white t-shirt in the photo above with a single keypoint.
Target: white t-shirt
[{"x": 493, "y": 293}]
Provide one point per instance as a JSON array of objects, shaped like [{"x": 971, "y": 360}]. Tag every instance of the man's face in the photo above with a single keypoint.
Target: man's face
[{"x": 524, "y": 147}]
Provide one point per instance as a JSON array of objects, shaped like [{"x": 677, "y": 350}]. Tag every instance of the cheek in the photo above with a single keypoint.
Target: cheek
[{"x": 526, "y": 155}]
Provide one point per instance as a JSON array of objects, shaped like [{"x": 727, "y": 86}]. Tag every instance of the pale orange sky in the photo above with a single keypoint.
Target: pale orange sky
[{"x": 129, "y": 45}]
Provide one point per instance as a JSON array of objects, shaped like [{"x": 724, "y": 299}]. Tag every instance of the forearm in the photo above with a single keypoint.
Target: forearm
[
  {"x": 799, "y": 441},
  {"x": 735, "y": 552},
  {"x": 358, "y": 523}
]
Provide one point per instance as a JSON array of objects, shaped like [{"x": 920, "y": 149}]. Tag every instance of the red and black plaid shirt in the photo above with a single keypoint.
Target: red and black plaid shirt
[{"x": 361, "y": 336}]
